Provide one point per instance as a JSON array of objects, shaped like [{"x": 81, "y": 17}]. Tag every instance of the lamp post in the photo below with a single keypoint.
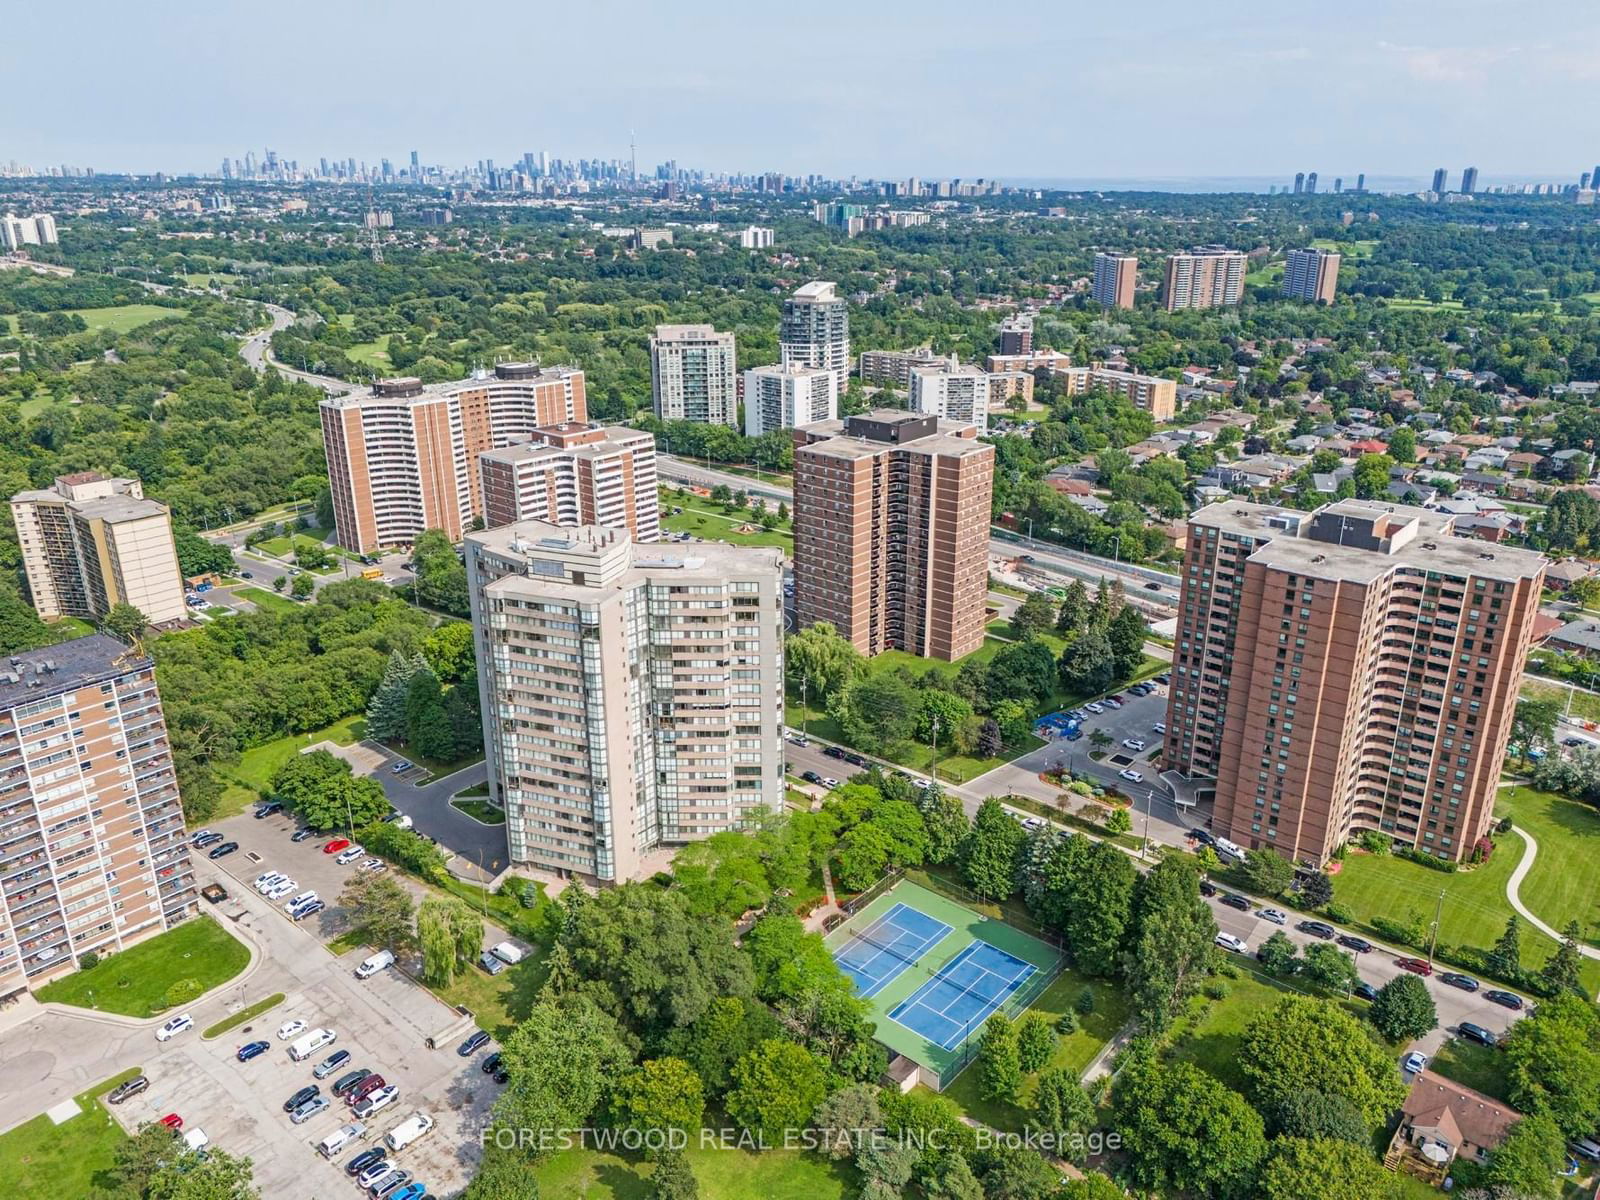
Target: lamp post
[
  {"x": 933, "y": 748},
  {"x": 1149, "y": 797},
  {"x": 805, "y": 682}
]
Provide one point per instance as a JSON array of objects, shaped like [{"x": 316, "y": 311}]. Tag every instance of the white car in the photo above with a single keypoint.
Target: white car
[
  {"x": 1096, "y": 709},
  {"x": 379, "y": 1099},
  {"x": 281, "y": 889},
  {"x": 922, "y": 785},
  {"x": 1159, "y": 727},
  {"x": 373, "y": 864},
  {"x": 1131, "y": 775},
  {"x": 349, "y": 856},
  {"x": 1133, "y": 743},
  {"x": 174, "y": 1027},
  {"x": 1276, "y": 916},
  {"x": 1413, "y": 1063},
  {"x": 830, "y": 784},
  {"x": 290, "y": 1029},
  {"x": 1229, "y": 942},
  {"x": 270, "y": 880},
  {"x": 1032, "y": 823},
  {"x": 1111, "y": 702}
]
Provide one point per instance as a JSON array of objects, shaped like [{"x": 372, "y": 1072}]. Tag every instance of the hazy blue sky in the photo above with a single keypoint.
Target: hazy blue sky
[{"x": 1139, "y": 88}]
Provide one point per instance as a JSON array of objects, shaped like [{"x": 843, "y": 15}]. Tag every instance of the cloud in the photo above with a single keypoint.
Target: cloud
[{"x": 1448, "y": 64}]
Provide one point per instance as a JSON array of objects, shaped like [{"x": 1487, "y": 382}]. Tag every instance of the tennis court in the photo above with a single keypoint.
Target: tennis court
[
  {"x": 959, "y": 999},
  {"x": 878, "y": 953},
  {"x": 934, "y": 970}
]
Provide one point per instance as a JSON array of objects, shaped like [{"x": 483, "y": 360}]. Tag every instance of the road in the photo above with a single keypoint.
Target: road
[{"x": 256, "y": 350}]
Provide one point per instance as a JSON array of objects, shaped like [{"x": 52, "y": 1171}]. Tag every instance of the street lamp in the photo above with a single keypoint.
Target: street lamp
[
  {"x": 805, "y": 682},
  {"x": 933, "y": 749}
]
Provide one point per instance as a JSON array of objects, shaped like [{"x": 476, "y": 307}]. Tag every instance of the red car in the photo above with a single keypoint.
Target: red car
[
  {"x": 336, "y": 845},
  {"x": 364, "y": 1089},
  {"x": 172, "y": 1121},
  {"x": 1415, "y": 965}
]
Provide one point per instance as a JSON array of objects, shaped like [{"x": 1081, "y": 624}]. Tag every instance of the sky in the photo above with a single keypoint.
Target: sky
[{"x": 1138, "y": 89}]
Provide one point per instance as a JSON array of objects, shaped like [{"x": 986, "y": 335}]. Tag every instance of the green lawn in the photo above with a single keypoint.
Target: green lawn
[
  {"x": 480, "y": 810},
  {"x": 1074, "y": 1051},
  {"x": 244, "y": 1014},
  {"x": 500, "y": 1001},
  {"x": 1209, "y": 1036},
  {"x": 123, "y": 317},
  {"x": 374, "y": 354},
  {"x": 270, "y": 601},
  {"x": 718, "y": 527},
  {"x": 46, "y": 1161},
  {"x": 1580, "y": 703},
  {"x": 71, "y": 627},
  {"x": 723, "y": 1174},
  {"x": 134, "y": 982},
  {"x": 247, "y": 782},
  {"x": 202, "y": 279},
  {"x": 1477, "y": 1067},
  {"x": 1360, "y": 248},
  {"x": 1564, "y": 884}
]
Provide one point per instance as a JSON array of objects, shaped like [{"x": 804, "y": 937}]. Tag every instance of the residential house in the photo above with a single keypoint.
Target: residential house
[
  {"x": 1559, "y": 576},
  {"x": 1441, "y": 1121}
]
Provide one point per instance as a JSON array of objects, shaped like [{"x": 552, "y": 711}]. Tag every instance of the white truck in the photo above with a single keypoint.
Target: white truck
[
  {"x": 507, "y": 953},
  {"x": 413, "y": 1128}
]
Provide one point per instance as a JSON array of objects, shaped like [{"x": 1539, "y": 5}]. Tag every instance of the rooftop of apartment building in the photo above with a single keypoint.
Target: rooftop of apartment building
[
  {"x": 885, "y": 428},
  {"x": 82, "y": 487},
  {"x": 1358, "y": 541},
  {"x": 673, "y": 332},
  {"x": 64, "y": 667},
  {"x": 573, "y": 438},
  {"x": 411, "y": 390},
  {"x": 818, "y": 290},
  {"x": 575, "y": 559}
]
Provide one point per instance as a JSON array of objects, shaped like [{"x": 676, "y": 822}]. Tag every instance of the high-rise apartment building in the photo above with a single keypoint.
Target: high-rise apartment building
[
  {"x": 90, "y": 543},
  {"x": 952, "y": 393},
  {"x": 94, "y": 854},
  {"x": 1311, "y": 183},
  {"x": 404, "y": 457},
  {"x": 39, "y": 229},
  {"x": 1016, "y": 335},
  {"x": 632, "y": 695},
  {"x": 892, "y": 368},
  {"x": 891, "y": 532},
  {"x": 1469, "y": 181},
  {"x": 1114, "y": 279},
  {"x": 575, "y": 475},
  {"x": 785, "y": 397},
  {"x": 814, "y": 330},
  {"x": 1440, "y": 179},
  {"x": 1312, "y": 275},
  {"x": 1206, "y": 277},
  {"x": 755, "y": 237},
  {"x": 1299, "y": 182},
  {"x": 694, "y": 375},
  {"x": 1347, "y": 670}
]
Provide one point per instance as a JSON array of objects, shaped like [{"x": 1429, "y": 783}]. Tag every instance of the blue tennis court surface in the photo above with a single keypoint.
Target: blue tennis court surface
[
  {"x": 874, "y": 956},
  {"x": 959, "y": 999}
]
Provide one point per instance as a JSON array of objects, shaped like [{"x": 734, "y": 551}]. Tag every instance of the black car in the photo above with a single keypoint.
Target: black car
[
  {"x": 811, "y": 777},
  {"x": 473, "y": 1044},
  {"x": 1238, "y": 902},
  {"x": 1351, "y": 942},
  {"x": 1504, "y": 999},
  {"x": 367, "y": 1158},
  {"x": 1477, "y": 1033},
  {"x": 343, "y": 1085},
  {"x": 854, "y": 760},
  {"x": 833, "y": 752},
  {"x": 1365, "y": 990},
  {"x": 202, "y": 840},
  {"x": 1317, "y": 929},
  {"x": 1207, "y": 888},
  {"x": 1152, "y": 586},
  {"x": 1202, "y": 836},
  {"x": 502, "y": 1077},
  {"x": 300, "y": 835},
  {"x": 131, "y": 1088},
  {"x": 225, "y": 848},
  {"x": 1457, "y": 980},
  {"x": 309, "y": 1092},
  {"x": 491, "y": 1063},
  {"x": 267, "y": 809},
  {"x": 1164, "y": 678}
]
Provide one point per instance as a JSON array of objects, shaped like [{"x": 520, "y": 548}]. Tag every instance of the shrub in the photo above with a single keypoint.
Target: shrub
[
  {"x": 1376, "y": 842},
  {"x": 1067, "y": 1022},
  {"x": 404, "y": 847},
  {"x": 1423, "y": 858},
  {"x": 183, "y": 991},
  {"x": 1217, "y": 990},
  {"x": 1339, "y": 912},
  {"x": 87, "y": 960},
  {"x": 1408, "y": 933},
  {"x": 1085, "y": 1002}
]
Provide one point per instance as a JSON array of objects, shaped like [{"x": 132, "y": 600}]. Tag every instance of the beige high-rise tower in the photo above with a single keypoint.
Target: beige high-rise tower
[
  {"x": 1206, "y": 277},
  {"x": 1114, "y": 278},
  {"x": 891, "y": 531},
  {"x": 1351, "y": 669},
  {"x": 91, "y": 542},
  {"x": 694, "y": 374},
  {"x": 632, "y": 694}
]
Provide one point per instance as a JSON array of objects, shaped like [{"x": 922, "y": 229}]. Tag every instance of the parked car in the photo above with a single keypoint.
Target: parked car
[
  {"x": 316, "y": 906},
  {"x": 473, "y": 1044},
  {"x": 1351, "y": 942},
  {"x": 1231, "y": 942},
  {"x": 1275, "y": 915},
  {"x": 1096, "y": 708},
  {"x": 364, "y": 1089},
  {"x": 373, "y": 865},
  {"x": 388, "y": 1184},
  {"x": 833, "y": 752},
  {"x": 1131, "y": 775},
  {"x": 1134, "y": 744},
  {"x": 1504, "y": 999},
  {"x": 415, "y": 1190},
  {"x": 364, "y": 1161},
  {"x": 123, "y": 1091},
  {"x": 1159, "y": 727},
  {"x": 1164, "y": 677},
  {"x": 291, "y": 1029},
  {"x": 400, "y": 767},
  {"x": 336, "y": 845},
  {"x": 1413, "y": 1063},
  {"x": 829, "y": 783},
  {"x": 172, "y": 1121},
  {"x": 490, "y": 963},
  {"x": 225, "y": 848},
  {"x": 270, "y": 808},
  {"x": 1233, "y": 901},
  {"x": 1202, "y": 836},
  {"x": 300, "y": 835},
  {"x": 1365, "y": 990},
  {"x": 1207, "y": 888},
  {"x": 492, "y": 1063},
  {"x": 1111, "y": 702},
  {"x": 1457, "y": 980},
  {"x": 373, "y": 1173},
  {"x": 1477, "y": 1033},
  {"x": 252, "y": 1050},
  {"x": 174, "y": 1027},
  {"x": 1319, "y": 929},
  {"x": 376, "y": 1101},
  {"x": 300, "y": 1097},
  {"x": 345, "y": 1084},
  {"x": 265, "y": 880},
  {"x": 1415, "y": 965},
  {"x": 349, "y": 856},
  {"x": 281, "y": 889},
  {"x": 330, "y": 1064},
  {"x": 308, "y": 1110},
  {"x": 204, "y": 838}
]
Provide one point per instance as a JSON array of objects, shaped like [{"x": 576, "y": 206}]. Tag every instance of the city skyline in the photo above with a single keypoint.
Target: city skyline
[{"x": 695, "y": 94}]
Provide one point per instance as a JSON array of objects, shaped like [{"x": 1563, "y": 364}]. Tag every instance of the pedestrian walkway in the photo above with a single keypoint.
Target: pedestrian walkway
[{"x": 1514, "y": 885}]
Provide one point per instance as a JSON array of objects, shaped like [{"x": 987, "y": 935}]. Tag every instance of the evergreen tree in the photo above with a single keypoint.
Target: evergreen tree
[
  {"x": 1074, "y": 608},
  {"x": 386, "y": 711},
  {"x": 1561, "y": 972},
  {"x": 466, "y": 727},
  {"x": 1505, "y": 960}
]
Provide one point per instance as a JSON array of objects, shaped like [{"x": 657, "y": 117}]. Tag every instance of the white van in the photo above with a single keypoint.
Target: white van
[
  {"x": 1232, "y": 849},
  {"x": 195, "y": 1139},
  {"x": 310, "y": 1043},
  {"x": 506, "y": 953},
  {"x": 413, "y": 1127},
  {"x": 378, "y": 962},
  {"x": 333, "y": 1145}
]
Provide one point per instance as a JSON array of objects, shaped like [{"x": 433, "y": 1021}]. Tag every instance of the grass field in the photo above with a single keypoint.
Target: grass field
[
  {"x": 717, "y": 527},
  {"x": 1564, "y": 884},
  {"x": 249, "y": 780},
  {"x": 722, "y": 1173},
  {"x": 1477, "y": 1067},
  {"x": 374, "y": 354},
  {"x": 134, "y": 982},
  {"x": 1576, "y": 701},
  {"x": 270, "y": 601},
  {"x": 46, "y": 1161},
  {"x": 480, "y": 810},
  {"x": 123, "y": 317},
  {"x": 1210, "y": 1035},
  {"x": 203, "y": 279},
  {"x": 1419, "y": 302},
  {"x": 1360, "y": 248}
]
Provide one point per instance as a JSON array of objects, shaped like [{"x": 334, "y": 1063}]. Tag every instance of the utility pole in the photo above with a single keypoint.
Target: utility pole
[
  {"x": 1433, "y": 937},
  {"x": 805, "y": 682},
  {"x": 933, "y": 748}
]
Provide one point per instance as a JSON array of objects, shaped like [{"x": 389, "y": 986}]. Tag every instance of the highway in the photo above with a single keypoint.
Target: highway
[{"x": 256, "y": 350}]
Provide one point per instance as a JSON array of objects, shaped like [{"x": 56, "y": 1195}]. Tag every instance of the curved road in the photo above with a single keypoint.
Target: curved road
[
  {"x": 1514, "y": 885},
  {"x": 256, "y": 350}
]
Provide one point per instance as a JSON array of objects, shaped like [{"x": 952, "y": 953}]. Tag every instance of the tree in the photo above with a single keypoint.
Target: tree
[
  {"x": 386, "y": 711},
  {"x": 944, "y": 711},
  {"x": 438, "y": 944},
  {"x": 789, "y": 960},
  {"x": 1402, "y": 445},
  {"x": 1267, "y": 872},
  {"x": 213, "y": 1175},
  {"x": 1305, "y": 1042},
  {"x": 1331, "y": 967},
  {"x": 1316, "y": 890},
  {"x": 1074, "y": 608},
  {"x": 1505, "y": 960},
  {"x": 1173, "y": 947},
  {"x": 124, "y": 622},
  {"x": 1099, "y": 910},
  {"x": 823, "y": 658},
  {"x": 1403, "y": 1009},
  {"x": 1119, "y": 821},
  {"x": 1561, "y": 969},
  {"x": 1035, "y": 615},
  {"x": 448, "y": 650},
  {"x": 1553, "y": 1063},
  {"x": 1535, "y": 724},
  {"x": 999, "y": 1059},
  {"x": 1304, "y": 1113},
  {"x": 990, "y": 742},
  {"x": 1062, "y": 1112},
  {"x": 846, "y": 1118},
  {"x": 196, "y": 556},
  {"x": 1278, "y": 954},
  {"x": 563, "y": 1058},
  {"x": 1327, "y": 1169},
  {"x": 1184, "y": 1131},
  {"x": 1089, "y": 665},
  {"x": 323, "y": 792},
  {"x": 989, "y": 854},
  {"x": 660, "y": 1094},
  {"x": 280, "y": 582},
  {"x": 730, "y": 1027},
  {"x": 673, "y": 1178},
  {"x": 1371, "y": 476},
  {"x": 302, "y": 586},
  {"x": 380, "y": 910},
  {"x": 1022, "y": 672},
  {"x": 1092, "y": 1186},
  {"x": 776, "y": 1087},
  {"x": 1036, "y": 1041},
  {"x": 1530, "y": 1159},
  {"x": 876, "y": 712},
  {"x": 1126, "y": 635},
  {"x": 501, "y": 1176}
]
